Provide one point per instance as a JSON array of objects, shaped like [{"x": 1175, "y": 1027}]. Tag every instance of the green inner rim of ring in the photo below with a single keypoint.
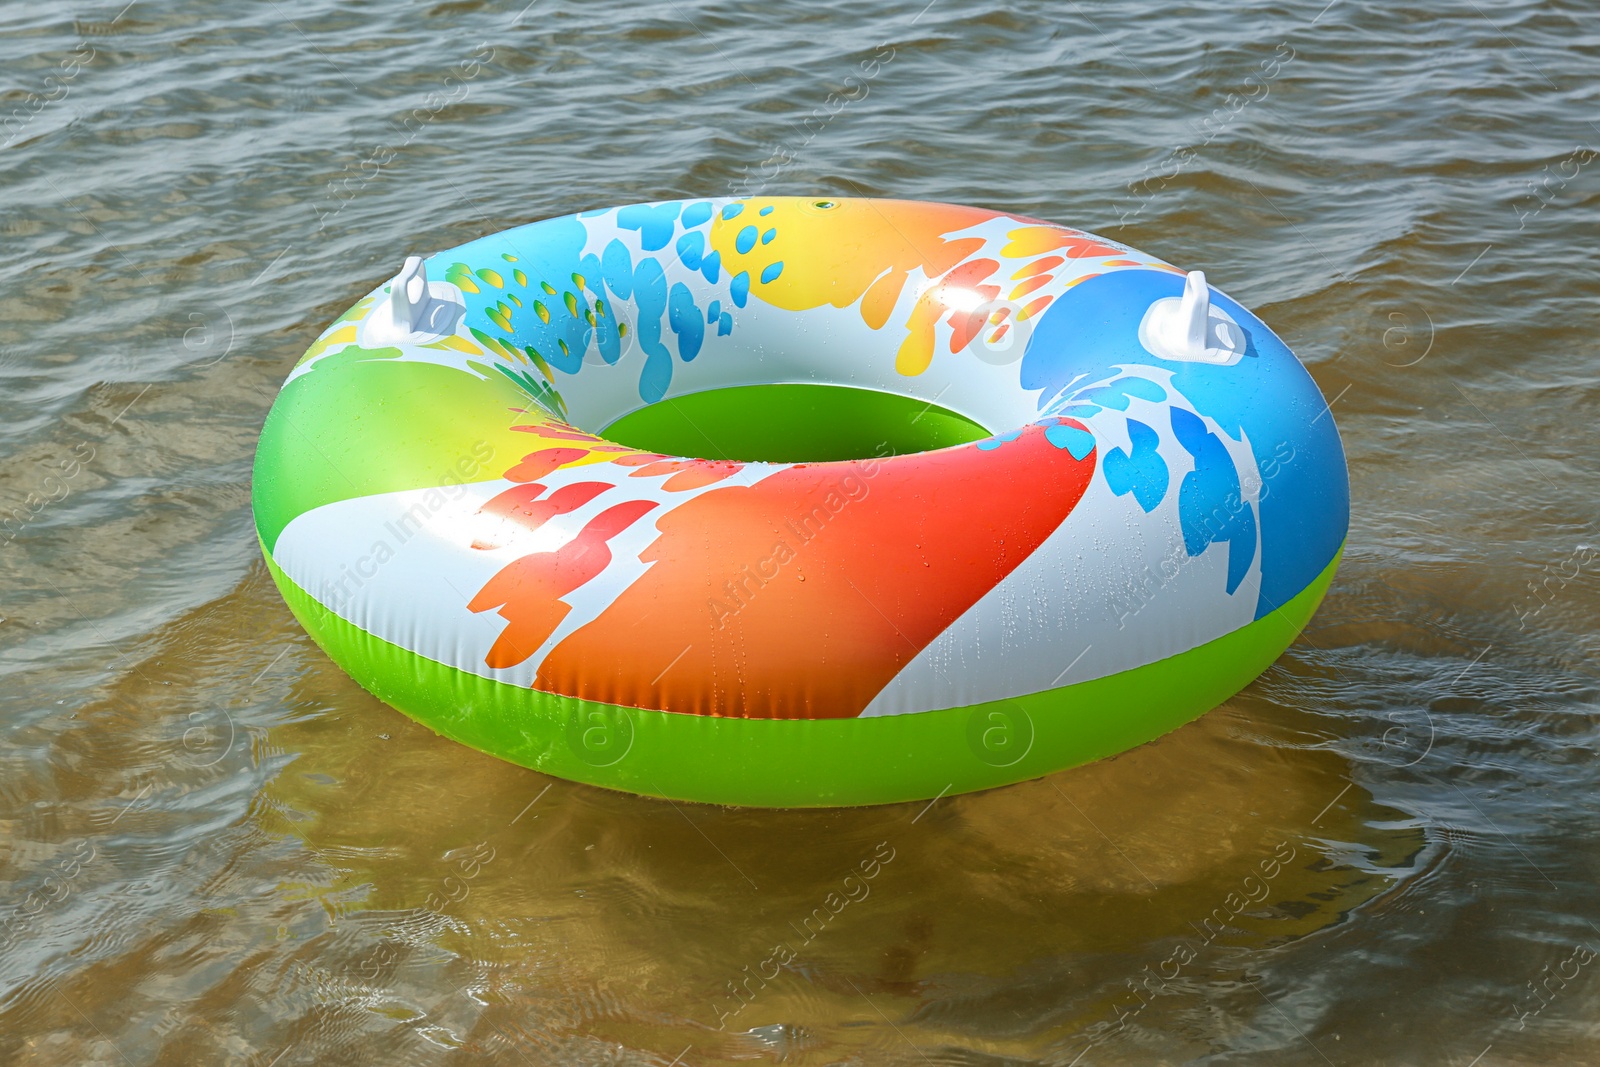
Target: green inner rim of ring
[{"x": 792, "y": 423}]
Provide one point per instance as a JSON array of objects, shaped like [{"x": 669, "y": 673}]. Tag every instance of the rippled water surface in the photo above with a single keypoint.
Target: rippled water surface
[{"x": 215, "y": 848}]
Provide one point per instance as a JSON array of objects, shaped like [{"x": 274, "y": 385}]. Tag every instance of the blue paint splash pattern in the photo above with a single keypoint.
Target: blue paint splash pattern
[
  {"x": 1141, "y": 471},
  {"x": 1211, "y": 507},
  {"x": 1267, "y": 398},
  {"x": 553, "y": 303},
  {"x": 1075, "y": 440}
]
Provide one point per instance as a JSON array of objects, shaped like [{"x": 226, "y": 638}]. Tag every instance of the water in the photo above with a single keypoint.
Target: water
[{"x": 214, "y": 848}]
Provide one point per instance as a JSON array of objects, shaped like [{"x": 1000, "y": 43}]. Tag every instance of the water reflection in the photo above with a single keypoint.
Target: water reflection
[{"x": 1070, "y": 909}]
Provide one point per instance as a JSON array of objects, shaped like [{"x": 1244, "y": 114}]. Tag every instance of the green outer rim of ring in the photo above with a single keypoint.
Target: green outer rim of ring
[{"x": 809, "y": 762}]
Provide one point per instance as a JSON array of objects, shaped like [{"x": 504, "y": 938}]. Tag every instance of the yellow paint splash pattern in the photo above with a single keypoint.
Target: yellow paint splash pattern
[
  {"x": 340, "y": 332},
  {"x": 799, "y": 254}
]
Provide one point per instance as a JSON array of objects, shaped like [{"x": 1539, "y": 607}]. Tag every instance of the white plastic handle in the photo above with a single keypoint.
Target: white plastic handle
[
  {"x": 408, "y": 294},
  {"x": 1188, "y": 329},
  {"x": 1193, "y": 312}
]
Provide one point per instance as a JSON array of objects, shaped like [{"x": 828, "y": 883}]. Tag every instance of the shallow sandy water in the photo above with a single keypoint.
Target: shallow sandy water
[{"x": 214, "y": 848}]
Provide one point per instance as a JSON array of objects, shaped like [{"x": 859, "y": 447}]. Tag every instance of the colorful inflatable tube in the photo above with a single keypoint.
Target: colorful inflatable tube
[{"x": 790, "y": 502}]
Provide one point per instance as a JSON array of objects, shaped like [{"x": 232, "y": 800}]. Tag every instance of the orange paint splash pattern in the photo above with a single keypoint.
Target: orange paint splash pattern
[
  {"x": 528, "y": 591},
  {"x": 802, "y": 594},
  {"x": 811, "y": 254}
]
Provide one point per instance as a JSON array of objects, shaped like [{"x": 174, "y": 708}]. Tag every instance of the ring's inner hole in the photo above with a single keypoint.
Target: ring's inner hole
[{"x": 796, "y": 423}]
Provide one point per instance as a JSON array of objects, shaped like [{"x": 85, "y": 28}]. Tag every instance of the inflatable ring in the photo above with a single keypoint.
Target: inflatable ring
[{"x": 780, "y": 501}]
